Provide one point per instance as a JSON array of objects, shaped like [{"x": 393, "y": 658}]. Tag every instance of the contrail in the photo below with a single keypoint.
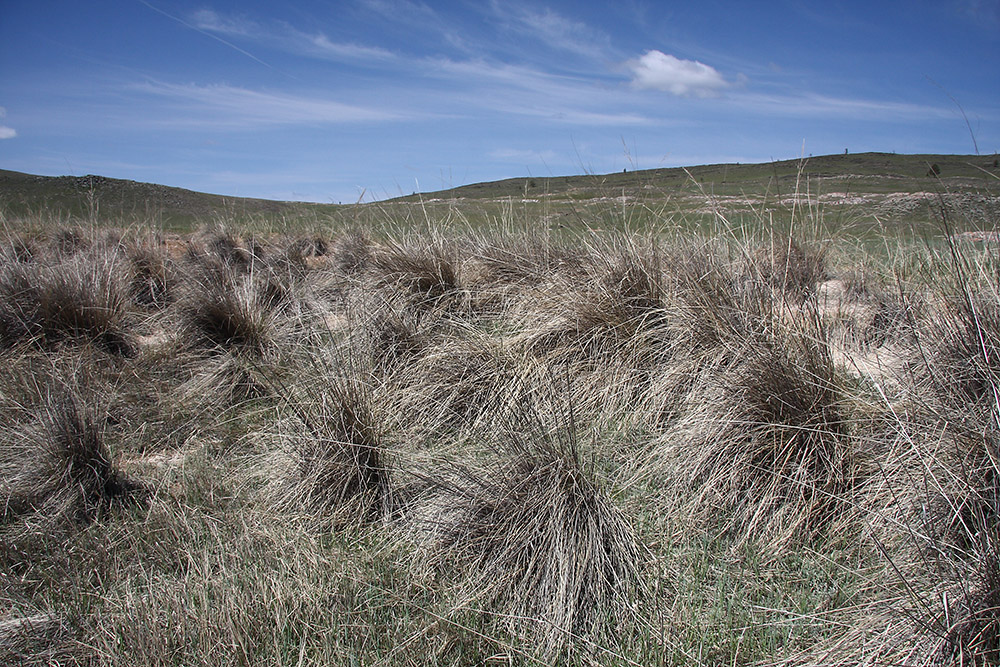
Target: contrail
[{"x": 215, "y": 37}]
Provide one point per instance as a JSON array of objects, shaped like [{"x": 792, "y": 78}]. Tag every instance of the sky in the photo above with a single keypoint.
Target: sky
[{"x": 360, "y": 100}]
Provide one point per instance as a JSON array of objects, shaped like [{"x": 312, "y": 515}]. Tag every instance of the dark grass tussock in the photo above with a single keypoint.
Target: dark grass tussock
[
  {"x": 67, "y": 241},
  {"x": 428, "y": 276},
  {"x": 621, "y": 301},
  {"x": 83, "y": 297},
  {"x": 392, "y": 339},
  {"x": 762, "y": 435},
  {"x": 226, "y": 309},
  {"x": 334, "y": 460},
  {"x": 752, "y": 416},
  {"x": 538, "y": 544},
  {"x": 152, "y": 281},
  {"x": 351, "y": 252},
  {"x": 59, "y": 467}
]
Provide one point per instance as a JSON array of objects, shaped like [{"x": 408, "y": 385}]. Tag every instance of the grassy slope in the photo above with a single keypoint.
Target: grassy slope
[
  {"x": 866, "y": 195},
  {"x": 864, "y": 172},
  {"x": 863, "y": 193},
  {"x": 97, "y": 198}
]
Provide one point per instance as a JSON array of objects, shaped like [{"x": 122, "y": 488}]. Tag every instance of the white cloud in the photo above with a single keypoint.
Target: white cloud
[
  {"x": 6, "y": 132},
  {"x": 655, "y": 70}
]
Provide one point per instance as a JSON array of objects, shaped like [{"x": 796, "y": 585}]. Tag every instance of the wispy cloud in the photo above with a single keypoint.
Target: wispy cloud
[
  {"x": 816, "y": 105},
  {"x": 285, "y": 37},
  {"x": 524, "y": 91},
  {"x": 208, "y": 19},
  {"x": 552, "y": 29},
  {"x": 206, "y": 33},
  {"x": 233, "y": 107},
  {"x": 655, "y": 70},
  {"x": 6, "y": 132},
  {"x": 420, "y": 20}
]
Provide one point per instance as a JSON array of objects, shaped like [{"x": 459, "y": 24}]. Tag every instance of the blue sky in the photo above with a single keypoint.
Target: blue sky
[{"x": 338, "y": 101}]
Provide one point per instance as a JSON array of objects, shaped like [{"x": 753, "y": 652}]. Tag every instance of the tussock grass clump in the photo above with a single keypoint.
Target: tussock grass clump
[
  {"x": 520, "y": 260},
  {"x": 19, "y": 297},
  {"x": 543, "y": 550},
  {"x": 152, "y": 282},
  {"x": 67, "y": 241},
  {"x": 502, "y": 272},
  {"x": 973, "y": 638},
  {"x": 786, "y": 265},
  {"x": 393, "y": 339},
  {"x": 332, "y": 461},
  {"x": 351, "y": 252},
  {"x": 230, "y": 310},
  {"x": 964, "y": 368},
  {"x": 308, "y": 246},
  {"x": 223, "y": 246},
  {"x": 762, "y": 439},
  {"x": 83, "y": 297},
  {"x": 242, "y": 322},
  {"x": 227, "y": 314},
  {"x": 59, "y": 467},
  {"x": 427, "y": 275},
  {"x": 621, "y": 301},
  {"x": 957, "y": 374},
  {"x": 715, "y": 309},
  {"x": 453, "y": 384}
]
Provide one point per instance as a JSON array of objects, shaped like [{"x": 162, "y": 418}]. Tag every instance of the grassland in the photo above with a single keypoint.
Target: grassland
[
  {"x": 401, "y": 435},
  {"x": 867, "y": 195}
]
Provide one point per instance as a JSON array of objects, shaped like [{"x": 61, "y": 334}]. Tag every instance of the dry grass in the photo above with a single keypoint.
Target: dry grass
[
  {"x": 59, "y": 468},
  {"x": 81, "y": 297},
  {"x": 537, "y": 544},
  {"x": 762, "y": 438},
  {"x": 331, "y": 461},
  {"x": 497, "y": 448}
]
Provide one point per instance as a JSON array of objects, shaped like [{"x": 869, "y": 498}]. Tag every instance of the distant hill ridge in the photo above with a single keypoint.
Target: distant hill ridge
[
  {"x": 92, "y": 196},
  {"x": 902, "y": 168},
  {"x": 87, "y": 196}
]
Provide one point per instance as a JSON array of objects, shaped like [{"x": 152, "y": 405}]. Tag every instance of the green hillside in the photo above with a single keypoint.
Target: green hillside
[
  {"x": 864, "y": 194},
  {"x": 98, "y": 198}
]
